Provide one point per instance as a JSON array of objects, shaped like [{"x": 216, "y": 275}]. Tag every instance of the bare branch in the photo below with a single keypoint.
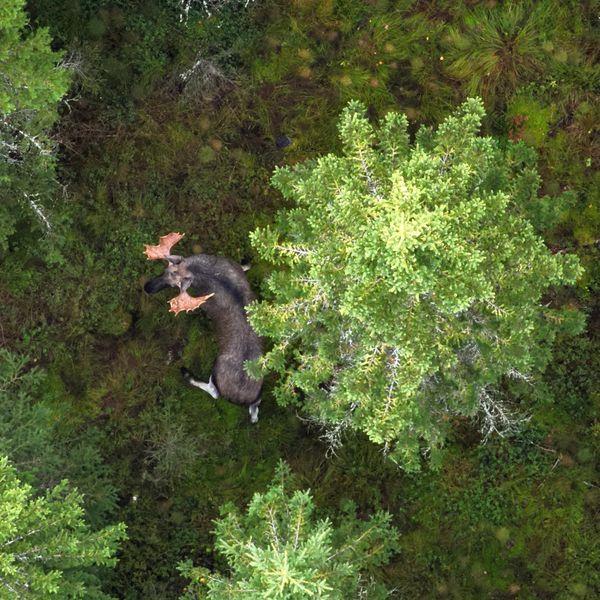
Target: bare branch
[
  {"x": 37, "y": 209},
  {"x": 495, "y": 417}
]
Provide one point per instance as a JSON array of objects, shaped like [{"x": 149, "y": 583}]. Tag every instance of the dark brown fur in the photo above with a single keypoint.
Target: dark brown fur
[{"x": 238, "y": 342}]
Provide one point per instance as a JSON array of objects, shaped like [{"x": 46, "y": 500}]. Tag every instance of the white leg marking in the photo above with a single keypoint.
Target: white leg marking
[
  {"x": 209, "y": 387},
  {"x": 214, "y": 392},
  {"x": 253, "y": 410}
]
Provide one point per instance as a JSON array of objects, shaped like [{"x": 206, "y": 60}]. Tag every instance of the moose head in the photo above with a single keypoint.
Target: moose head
[{"x": 177, "y": 274}]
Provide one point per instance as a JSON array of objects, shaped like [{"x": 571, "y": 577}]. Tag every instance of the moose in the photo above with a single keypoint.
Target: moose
[{"x": 224, "y": 293}]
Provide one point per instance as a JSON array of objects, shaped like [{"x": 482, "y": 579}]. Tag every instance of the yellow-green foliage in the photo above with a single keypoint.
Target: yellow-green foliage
[
  {"x": 48, "y": 550},
  {"x": 529, "y": 119},
  {"x": 278, "y": 549},
  {"x": 397, "y": 266}
]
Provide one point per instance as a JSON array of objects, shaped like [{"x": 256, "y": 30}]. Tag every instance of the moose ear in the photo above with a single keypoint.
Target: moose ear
[{"x": 174, "y": 259}]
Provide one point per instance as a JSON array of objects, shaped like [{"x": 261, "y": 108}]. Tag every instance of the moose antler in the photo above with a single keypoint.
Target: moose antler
[
  {"x": 186, "y": 302},
  {"x": 165, "y": 243}
]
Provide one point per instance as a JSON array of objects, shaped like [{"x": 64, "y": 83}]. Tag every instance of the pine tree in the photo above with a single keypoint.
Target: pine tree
[
  {"x": 36, "y": 441},
  {"x": 280, "y": 550},
  {"x": 410, "y": 280},
  {"x": 45, "y": 545},
  {"x": 31, "y": 85}
]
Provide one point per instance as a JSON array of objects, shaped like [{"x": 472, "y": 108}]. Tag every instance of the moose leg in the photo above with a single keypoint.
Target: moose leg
[
  {"x": 253, "y": 410},
  {"x": 209, "y": 388}
]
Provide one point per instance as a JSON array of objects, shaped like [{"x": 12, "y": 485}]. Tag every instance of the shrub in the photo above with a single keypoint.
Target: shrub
[
  {"x": 279, "y": 550},
  {"x": 45, "y": 545}
]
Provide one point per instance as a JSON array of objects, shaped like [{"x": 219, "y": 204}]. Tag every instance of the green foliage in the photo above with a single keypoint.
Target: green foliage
[
  {"x": 32, "y": 83},
  {"x": 493, "y": 50},
  {"x": 477, "y": 528},
  {"x": 515, "y": 515},
  {"x": 122, "y": 50},
  {"x": 178, "y": 462},
  {"x": 31, "y": 80},
  {"x": 571, "y": 386},
  {"x": 25, "y": 426},
  {"x": 529, "y": 120},
  {"x": 32, "y": 437},
  {"x": 45, "y": 545},
  {"x": 315, "y": 56},
  {"x": 278, "y": 549},
  {"x": 172, "y": 448},
  {"x": 412, "y": 279}
]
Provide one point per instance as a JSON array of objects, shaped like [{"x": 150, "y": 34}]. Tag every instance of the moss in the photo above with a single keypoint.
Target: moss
[
  {"x": 529, "y": 120},
  {"x": 117, "y": 322},
  {"x": 586, "y": 218},
  {"x": 200, "y": 351},
  {"x": 206, "y": 155}
]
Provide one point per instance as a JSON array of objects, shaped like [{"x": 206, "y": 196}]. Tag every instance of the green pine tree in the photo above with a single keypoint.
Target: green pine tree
[
  {"x": 31, "y": 84},
  {"x": 38, "y": 443},
  {"x": 410, "y": 281},
  {"x": 45, "y": 544},
  {"x": 279, "y": 550}
]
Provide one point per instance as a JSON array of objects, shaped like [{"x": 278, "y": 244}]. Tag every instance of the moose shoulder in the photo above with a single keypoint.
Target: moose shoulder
[{"x": 221, "y": 288}]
